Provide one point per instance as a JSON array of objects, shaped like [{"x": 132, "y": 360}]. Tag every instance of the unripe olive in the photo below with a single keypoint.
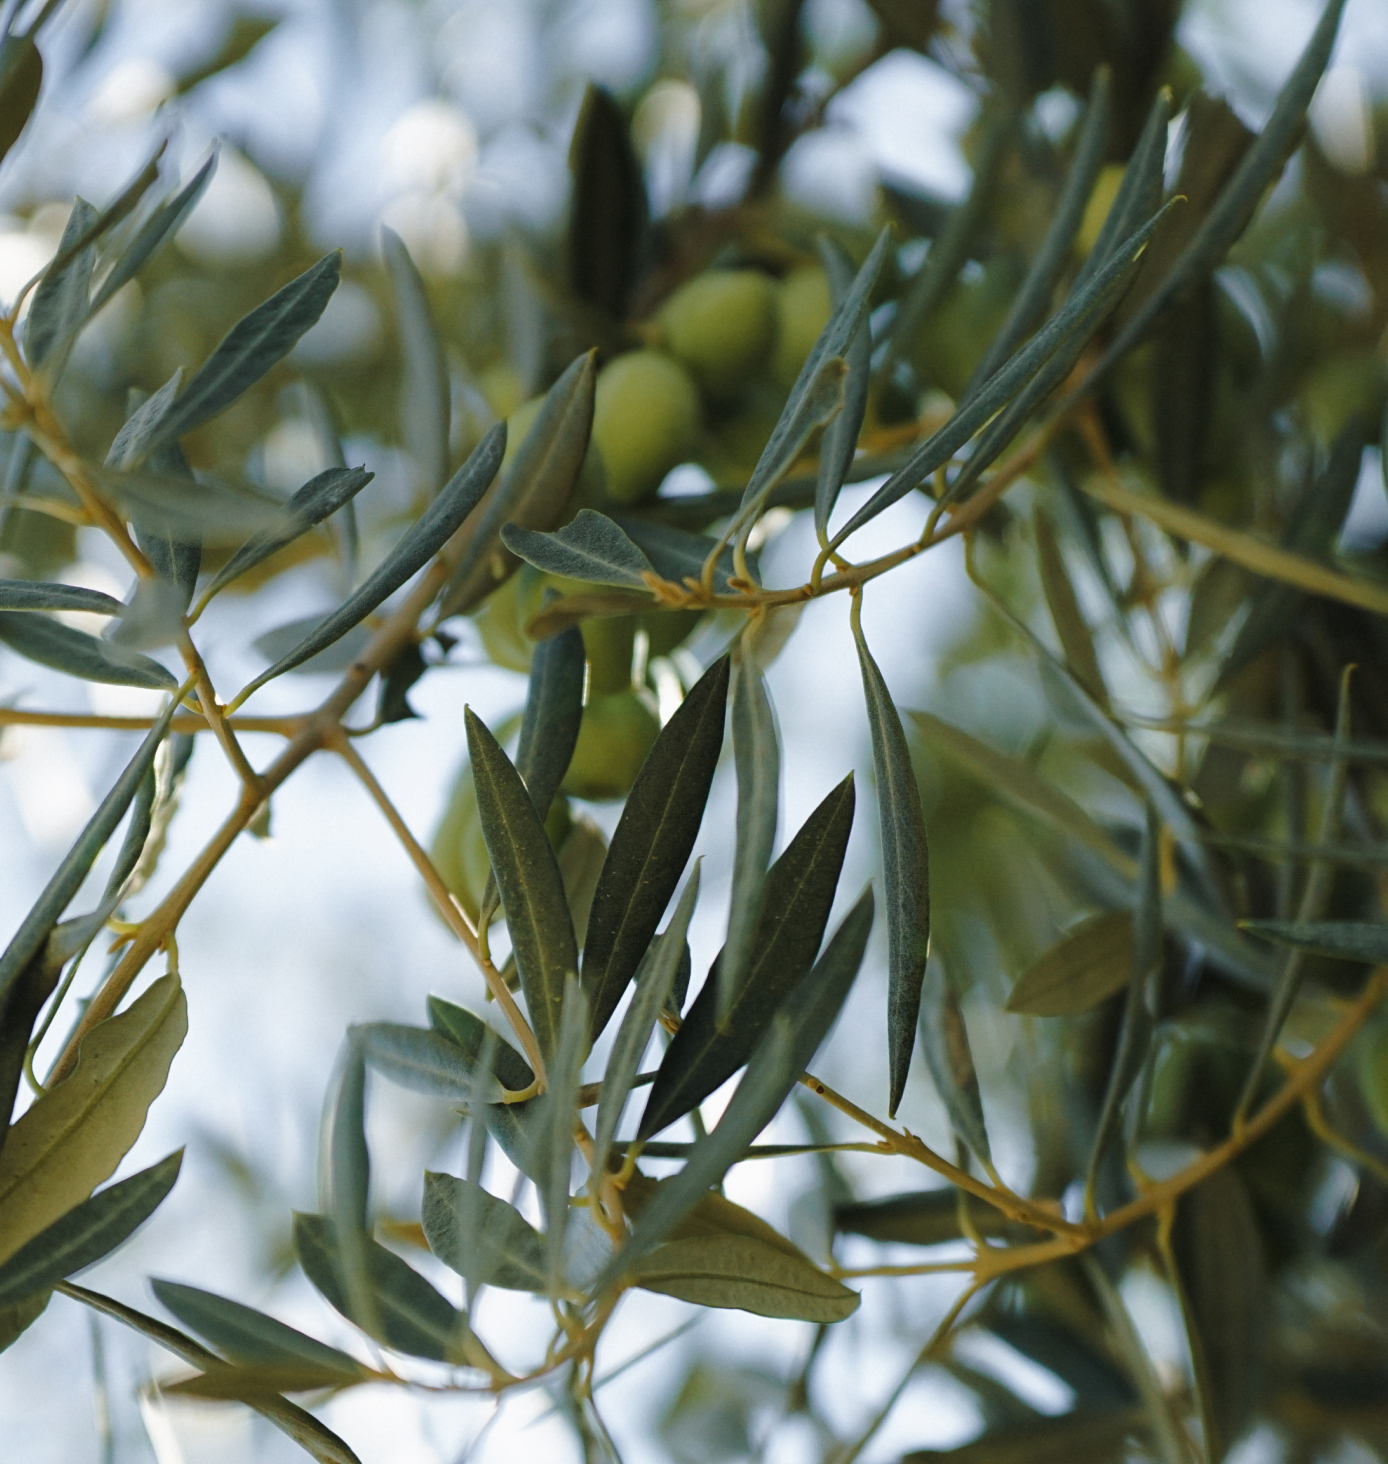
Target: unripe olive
[
  {"x": 666, "y": 629},
  {"x": 502, "y": 617},
  {"x": 645, "y": 418},
  {"x": 613, "y": 739},
  {"x": 721, "y": 325},
  {"x": 803, "y": 305},
  {"x": 608, "y": 643},
  {"x": 1096, "y": 211},
  {"x": 502, "y": 388}
]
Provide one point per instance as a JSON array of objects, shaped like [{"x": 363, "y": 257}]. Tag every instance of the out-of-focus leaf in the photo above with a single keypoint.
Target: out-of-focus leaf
[
  {"x": 480, "y": 1236},
  {"x": 73, "y": 1136},
  {"x": 927, "y": 1217},
  {"x": 677, "y": 555},
  {"x": 51, "y": 643},
  {"x": 655, "y": 980},
  {"x": 21, "y": 76},
  {"x": 738, "y": 1271},
  {"x": 652, "y": 842},
  {"x": 251, "y": 348},
  {"x": 800, "y": 889},
  {"x": 424, "y": 1062},
  {"x": 591, "y": 548},
  {"x": 36, "y": 595},
  {"x": 905, "y": 868},
  {"x": 945, "y": 1043},
  {"x": 406, "y": 669},
  {"x": 162, "y": 497},
  {"x": 527, "y": 875},
  {"x": 554, "y": 1126},
  {"x": 306, "y": 1431},
  {"x": 160, "y": 225},
  {"x": 1221, "y": 1283},
  {"x": 1097, "y": 1438},
  {"x": 424, "y": 392},
  {"x": 775, "y": 1068},
  {"x": 349, "y": 1184},
  {"x": 412, "y": 1316},
  {"x": 315, "y": 501},
  {"x": 553, "y": 711},
  {"x": 332, "y": 659},
  {"x": 245, "y": 1382},
  {"x": 420, "y": 542},
  {"x": 757, "y": 757},
  {"x": 607, "y": 219},
  {"x": 1084, "y": 967},
  {"x": 1346, "y": 940},
  {"x": 1140, "y": 191},
  {"x": 840, "y": 440},
  {"x": 60, "y": 302},
  {"x": 533, "y": 491},
  {"x": 1075, "y": 638},
  {"x": 244, "y": 1335},
  {"x": 16, "y": 1320},
  {"x": 470, "y": 1034},
  {"x": 20, "y": 1008},
  {"x": 87, "y": 1233},
  {"x": 245, "y": 34}
]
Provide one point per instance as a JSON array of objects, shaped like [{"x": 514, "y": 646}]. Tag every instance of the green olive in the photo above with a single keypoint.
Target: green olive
[
  {"x": 666, "y": 629},
  {"x": 613, "y": 739},
  {"x": 721, "y": 324},
  {"x": 502, "y": 617},
  {"x": 645, "y": 419},
  {"x": 803, "y": 306}
]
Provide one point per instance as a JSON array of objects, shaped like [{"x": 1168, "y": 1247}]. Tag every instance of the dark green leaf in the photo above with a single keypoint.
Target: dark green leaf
[
  {"x": 1064, "y": 605},
  {"x": 420, "y": 542},
  {"x": 945, "y": 1043},
  {"x": 655, "y": 980},
  {"x": 406, "y": 669},
  {"x": 412, "y": 1316},
  {"x": 1139, "y": 193},
  {"x": 757, "y": 757},
  {"x": 424, "y": 1062},
  {"x": 677, "y": 555},
  {"x": 1084, "y": 967},
  {"x": 527, "y": 875},
  {"x": 37, "y": 595},
  {"x": 840, "y": 440},
  {"x": 481, "y": 1237},
  {"x": 87, "y": 1233},
  {"x": 20, "y": 1008},
  {"x": 1345, "y": 940},
  {"x": 289, "y": 1418},
  {"x": 424, "y": 391},
  {"x": 553, "y": 711},
  {"x": 608, "y": 218},
  {"x": 652, "y": 842},
  {"x": 60, "y": 302},
  {"x": 21, "y": 77},
  {"x": 591, "y": 548},
  {"x": 905, "y": 867},
  {"x": 800, "y": 889},
  {"x": 926, "y": 1217},
  {"x": 16, "y": 1320},
  {"x": 470, "y": 1034},
  {"x": 251, "y": 348},
  {"x": 244, "y": 1335}
]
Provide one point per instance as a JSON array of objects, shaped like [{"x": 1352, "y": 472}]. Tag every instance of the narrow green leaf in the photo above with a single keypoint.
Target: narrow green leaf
[
  {"x": 60, "y": 302},
  {"x": 742, "y": 1272},
  {"x": 411, "y": 1316},
  {"x": 120, "y": 208},
  {"x": 652, "y": 842},
  {"x": 945, "y": 1043},
  {"x": 16, "y": 1320},
  {"x": 37, "y": 595},
  {"x": 655, "y": 980},
  {"x": 315, "y": 501},
  {"x": 800, "y": 890},
  {"x": 905, "y": 867},
  {"x": 534, "y": 490},
  {"x": 609, "y": 217},
  {"x": 553, "y": 711},
  {"x": 554, "y": 1126},
  {"x": 160, "y": 225},
  {"x": 590, "y": 548},
  {"x": 677, "y": 555},
  {"x": 130, "y": 446},
  {"x": 776, "y": 1066},
  {"x": 840, "y": 440},
  {"x": 757, "y": 758},
  {"x": 420, "y": 542},
  {"x": 1139, "y": 193},
  {"x": 301, "y": 1426},
  {"x": 19, "y": 1010},
  {"x": 470, "y": 1033},
  {"x": 1084, "y": 967},
  {"x": 424, "y": 391},
  {"x": 1344, "y": 940},
  {"x": 245, "y": 1382},
  {"x": 1097, "y": 1438},
  {"x": 925, "y": 1217},
  {"x": 21, "y": 78},
  {"x": 481, "y": 1237},
  {"x": 532, "y": 890},
  {"x": 349, "y": 1184},
  {"x": 1064, "y": 605},
  {"x": 244, "y": 1335},
  {"x": 87, "y": 1232},
  {"x": 251, "y": 348},
  {"x": 424, "y": 1062},
  {"x": 60, "y": 890},
  {"x": 162, "y": 497}
]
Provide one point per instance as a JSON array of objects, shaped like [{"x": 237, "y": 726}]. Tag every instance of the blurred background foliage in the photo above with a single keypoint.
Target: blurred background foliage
[{"x": 564, "y": 175}]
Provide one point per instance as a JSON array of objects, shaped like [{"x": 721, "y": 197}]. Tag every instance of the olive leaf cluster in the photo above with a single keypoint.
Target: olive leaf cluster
[{"x": 1140, "y": 428}]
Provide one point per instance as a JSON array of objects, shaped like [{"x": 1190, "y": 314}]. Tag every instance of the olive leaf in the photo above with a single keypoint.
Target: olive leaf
[
  {"x": 245, "y": 1382},
  {"x": 349, "y": 1184},
  {"x": 37, "y": 595},
  {"x": 471, "y": 1035},
  {"x": 87, "y": 1233},
  {"x": 409, "y": 1315},
  {"x": 21, "y": 77},
  {"x": 306, "y": 1431},
  {"x": 607, "y": 224},
  {"x": 800, "y": 890},
  {"x": 332, "y": 659},
  {"x": 905, "y": 867},
  {"x": 1075, "y": 638},
  {"x": 424, "y": 389},
  {"x": 75, "y": 1134},
  {"x": 652, "y": 842},
  {"x": 553, "y": 1135},
  {"x": 424, "y": 1062},
  {"x": 840, "y": 440},
  {"x": 677, "y": 555},
  {"x": 250, "y": 349},
  {"x": 925, "y": 1217},
  {"x": 553, "y": 711},
  {"x": 244, "y": 1335},
  {"x": 74, "y": 652},
  {"x": 60, "y": 302},
  {"x": 757, "y": 758},
  {"x": 420, "y": 542},
  {"x": 1084, "y": 967},
  {"x": 655, "y": 981},
  {"x": 527, "y": 875},
  {"x": 1140, "y": 191},
  {"x": 1344, "y": 940},
  {"x": 945, "y": 1043},
  {"x": 481, "y": 1237},
  {"x": 591, "y": 548}
]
